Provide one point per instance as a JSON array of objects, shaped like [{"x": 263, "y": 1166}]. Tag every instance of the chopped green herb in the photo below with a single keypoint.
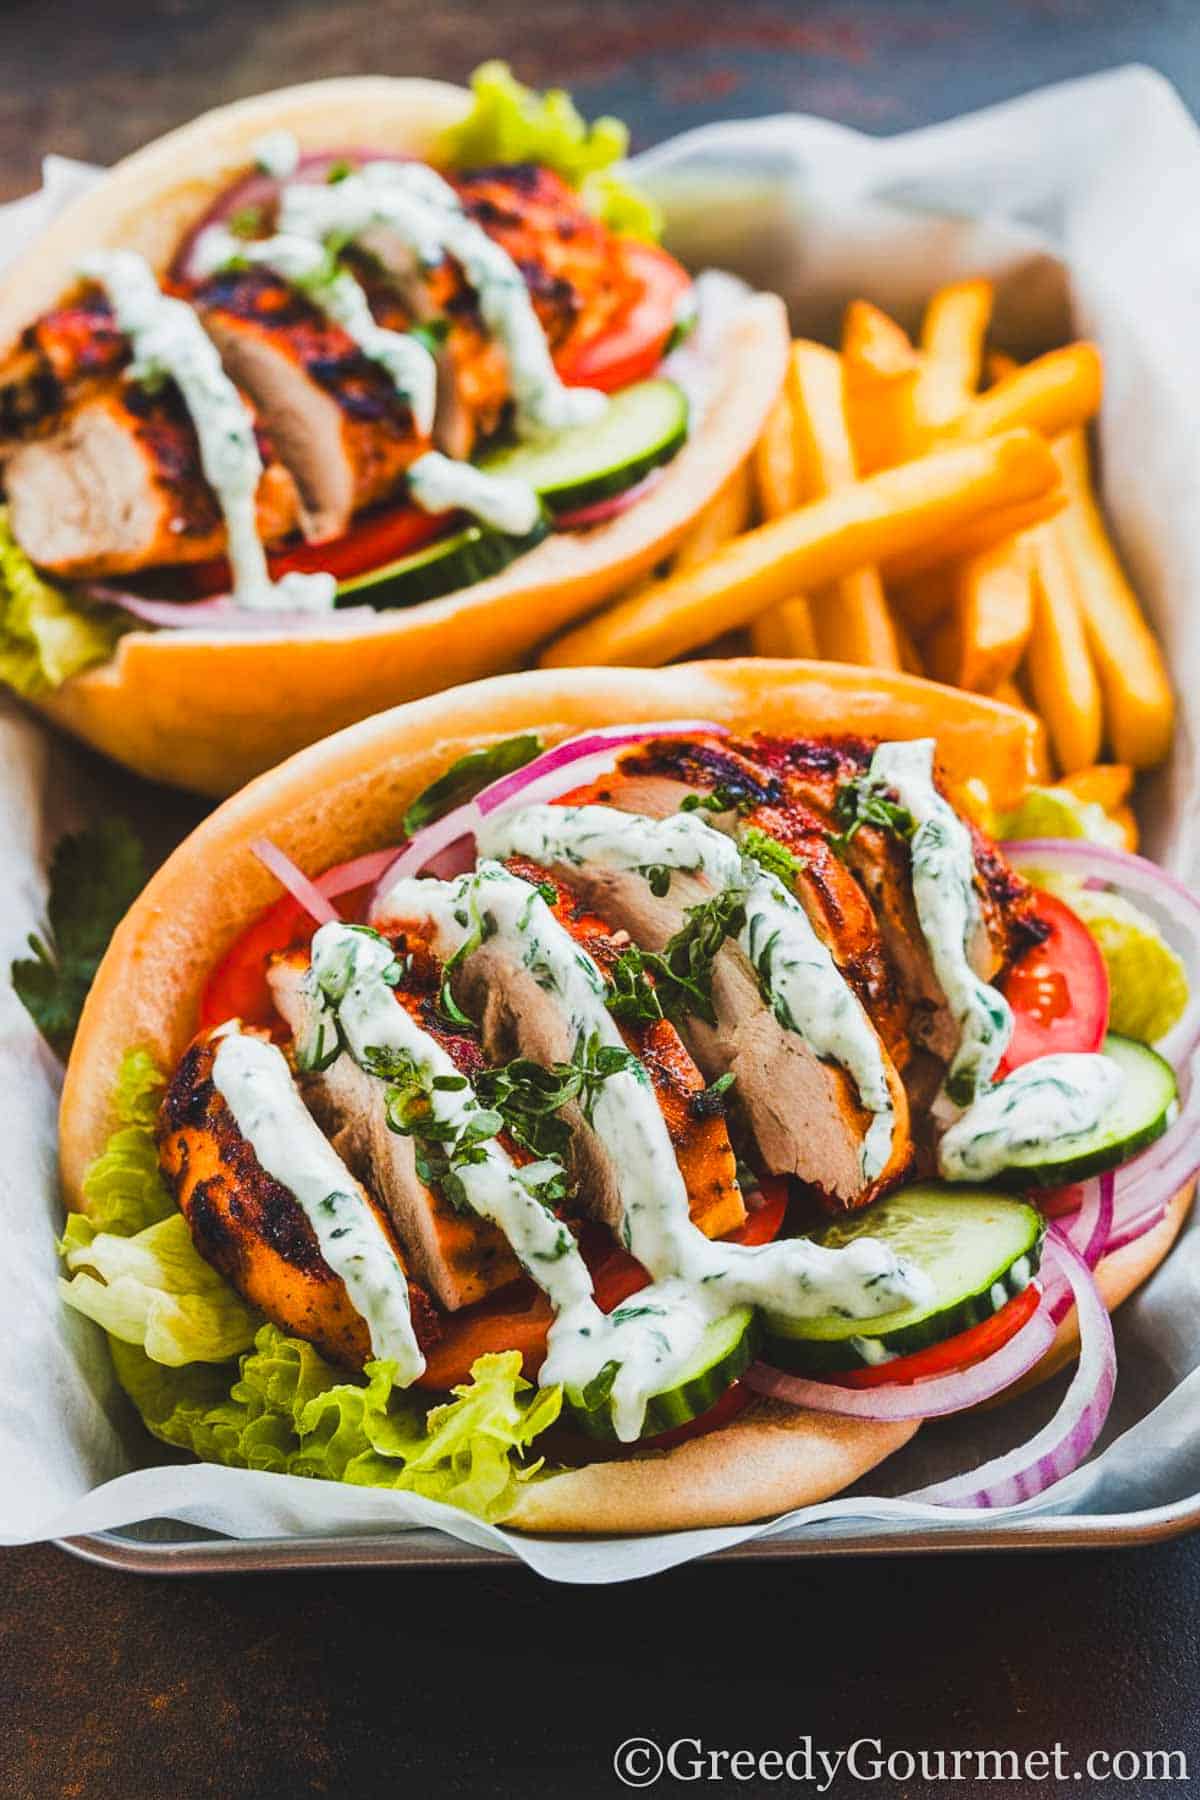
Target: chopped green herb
[
  {"x": 772, "y": 856},
  {"x": 530, "y": 1097},
  {"x": 338, "y": 172},
  {"x": 725, "y": 797},
  {"x": 659, "y": 879},
  {"x": 860, "y": 803},
  {"x": 433, "y": 334},
  {"x": 468, "y": 776},
  {"x": 683, "y": 970},
  {"x": 94, "y": 877},
  {"x": 248, "y": 222},
  {"x": 631, "y": 994}
]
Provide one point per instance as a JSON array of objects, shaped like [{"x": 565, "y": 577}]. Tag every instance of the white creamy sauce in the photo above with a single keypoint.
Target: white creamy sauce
[
  {"x": 438, "y": 484},
  {"x": 943, "y": 885},
  {"x": 307, "y": 265},
  {"x": 256, "y": 1084},
  {"x": 276, "y": 153},
  {"x": 697, "y": 1281},
  {"x": 1051, "y": 1101},
  {"x": 169, "y": 342},
  {"x": 414, "y": 202},
  {"x": 807, "y": 992}
]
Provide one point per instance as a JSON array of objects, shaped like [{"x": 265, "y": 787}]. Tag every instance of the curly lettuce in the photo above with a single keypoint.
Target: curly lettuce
[
  {"x": 510, "y": 123},
  {"x": 45, "y": 636},
  {"x": 209, "y": 1376}
]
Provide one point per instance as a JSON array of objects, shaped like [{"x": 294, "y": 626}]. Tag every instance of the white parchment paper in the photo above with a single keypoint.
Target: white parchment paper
[{"x": 1081, "y": 202}]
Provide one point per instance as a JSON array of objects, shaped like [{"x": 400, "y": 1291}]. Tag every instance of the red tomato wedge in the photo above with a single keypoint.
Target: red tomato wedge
[
  {"x": 1058, "y": 990},
  {"x": 504, "y": 1323},
  {"x": 238, "y": 987},
  {"x": 377, "y": 539},
  {"x": 633, "y": 346},
  {"x": 955, "y": 1353}
]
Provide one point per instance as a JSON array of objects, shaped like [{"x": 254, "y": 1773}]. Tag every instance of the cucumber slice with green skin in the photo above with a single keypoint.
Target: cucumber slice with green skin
[
  {"x": 725, "y": 1352},
  {"x": 978, "y": 1248},
  {"x": 451, "y": 563},
  {"x": 1140, "y": 1113},
  {"x": 641, "y": 427}
]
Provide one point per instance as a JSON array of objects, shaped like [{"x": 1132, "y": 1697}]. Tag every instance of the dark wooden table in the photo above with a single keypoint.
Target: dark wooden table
[{"x": 113, "y": 1688}]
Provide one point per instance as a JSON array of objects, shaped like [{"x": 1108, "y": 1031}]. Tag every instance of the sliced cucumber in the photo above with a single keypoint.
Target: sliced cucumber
[
  {"x": 641, "y": 427},
  {"x": 978, "y": 1248},
  {"x": 726, "y": 1350},
  {"x": 460, "y": 561},
  {"x": 1140, "y": 1113}
]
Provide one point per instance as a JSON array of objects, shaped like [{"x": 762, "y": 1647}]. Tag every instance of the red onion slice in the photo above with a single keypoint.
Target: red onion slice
[
  {"x": 601, "y": 510},
  {"x": 1062, "y": 1444},
  {"x": 1177, "y": 908},
  {"x": 221, "y": 613},
  {"x": 1089, "y": 1228},
  {"x": 930, "y": 1398},
  {"x": 555, "y": 772},
  {"x": 294, "y": 880},
  {"x": 364, "y": 871}
]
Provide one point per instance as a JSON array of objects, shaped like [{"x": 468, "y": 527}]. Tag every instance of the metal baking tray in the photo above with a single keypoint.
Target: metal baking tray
[{"x": 164, "y": 1547}]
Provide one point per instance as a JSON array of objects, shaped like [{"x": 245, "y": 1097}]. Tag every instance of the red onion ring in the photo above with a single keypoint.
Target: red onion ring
[
  {"x": 596, "y": 514},
  {"x": 930, "y": 1398},
  {"x": 294, "y": 880},
  {"x": 1066, "y": 1440},
  {"x": 1088, "y": 1230},
  {"x": 1177, "y": 906},
  {"x": 220, "y": 613},
  {"x": 555, "y": 772}
]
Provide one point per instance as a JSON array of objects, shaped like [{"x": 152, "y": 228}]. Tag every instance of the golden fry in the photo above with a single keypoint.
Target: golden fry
[
  {"x": 852, "y": 619},
  {"x": 727, "y": 513},
  {"x": 983, "y": 642},
  {"x": 952, "y": 334},
  {"x": 990, "y": 528},
  {"x": 888, "y": 514},
  {"x": 911, "y": 660},
  {"x": 1138, "y": 705},
  {"x": 1011, "y": 695},
  {"x": 881, "y": 374},
  {"x": 774, "y": 462},
  {"x": 787, "y": 630},
  {"x": 1061, "y": 674},
  {"x": 1052, "y": 394},
  {"x": 1105, "y": 784}
]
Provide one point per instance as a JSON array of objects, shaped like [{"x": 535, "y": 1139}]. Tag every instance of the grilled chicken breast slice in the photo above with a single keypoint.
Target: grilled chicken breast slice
[
  {"x": 804, "y": 1115},
  {"x": 252, "y": 1229},
  {"x": 658, "y": 778},
  {"x": 59, "y": 358},
  {"x": 120, "y": 488},
  {"x": 459, "y": 1258},
  {"x": 334, "y": 417}
]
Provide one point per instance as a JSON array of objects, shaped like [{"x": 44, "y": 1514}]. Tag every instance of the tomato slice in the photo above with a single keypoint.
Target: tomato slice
[
  {"x": 237, "y": 987},
  {"x": 954, "y": 1353},
  {"x": 374, "y": 541},
  {"x": 507, "y": 1322},
  {"x": 1058, "y": 990},
  {"x": 633, "y": 346}
]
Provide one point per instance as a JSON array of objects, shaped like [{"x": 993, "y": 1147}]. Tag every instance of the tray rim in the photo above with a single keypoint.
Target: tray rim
[{"x": 427, "y": 1549}]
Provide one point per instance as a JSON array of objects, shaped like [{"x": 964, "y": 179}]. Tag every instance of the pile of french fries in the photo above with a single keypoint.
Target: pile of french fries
[{"x": 922, "y": 508}]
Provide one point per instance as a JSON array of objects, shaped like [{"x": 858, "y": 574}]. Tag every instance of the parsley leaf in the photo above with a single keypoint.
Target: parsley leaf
[
  {"x": 683, "y": 969},
  {"x": 727, "y": 796},
  {"x": 861, "y": 803},
  {"x": 630, "y": 993},
  {"x": 94, "y": 877},
  {"x": 468, "y": 776},
  {"x": 772, "y": 856},
  {"x": 529, "y": 1097}
]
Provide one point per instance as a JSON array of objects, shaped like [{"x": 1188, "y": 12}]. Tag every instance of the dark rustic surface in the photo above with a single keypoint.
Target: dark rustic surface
[{"x": 490, "y": 1683}]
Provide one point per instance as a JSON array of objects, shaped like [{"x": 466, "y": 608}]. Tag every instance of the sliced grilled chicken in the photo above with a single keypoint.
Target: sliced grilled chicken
[
  {"x": 252, "y": 1229},
  {"x": 334, "y": 417},
  {"x": 120, "y": 488},
  {"x": 459, "y": 1258},
  {"x": 59, "y": 358},
  {"x": 519, "y": 1017},
  {"x": 815, "y": 770},
  {"x": 656, "y": 779}
]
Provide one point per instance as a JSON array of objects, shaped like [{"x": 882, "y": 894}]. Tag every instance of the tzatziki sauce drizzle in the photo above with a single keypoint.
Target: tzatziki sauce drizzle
[{"x": 1047, "y": 1103}]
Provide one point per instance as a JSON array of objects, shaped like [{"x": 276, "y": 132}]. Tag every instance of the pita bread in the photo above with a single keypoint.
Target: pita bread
[{"x": 206, "y": 709}]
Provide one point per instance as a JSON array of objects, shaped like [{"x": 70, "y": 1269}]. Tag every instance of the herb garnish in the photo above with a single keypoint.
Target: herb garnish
[
  {"x": 94, "y": 877},
  {"x": 682, "y": 971},
  {"x": 468, "y": 776},
  {"x": 860, "y": 802},
  {"x": 631, "y": 995},
  {"x": 247, "y": 222},
  {"x": 725, "y": 797},
  {"x": 772, "y": 856},
  {"x": 530, "y": 1097}
]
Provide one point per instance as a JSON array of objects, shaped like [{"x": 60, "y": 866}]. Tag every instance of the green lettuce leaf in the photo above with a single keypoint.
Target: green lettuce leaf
[
  {"x": 45, "y": 636},
  {"x": 286, "y": 1410},
  {"x": 510, "y": 123},
  {"x": 1057, "y": 812},
  {"x": 154, "y": 1289},
  {"x": 123, "y": 1189}
]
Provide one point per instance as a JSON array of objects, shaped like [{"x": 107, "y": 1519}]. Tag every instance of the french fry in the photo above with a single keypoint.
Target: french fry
[
  {"x": 1050, "y": 395},
  {"x": 1138, "y": 705},
  {"x": 911, "y": 660},
  {"x": 1124, "y": 819},
  {"x": 786, "y": 630},
  {"x": 1011, "y": 695},
  {"x": 990, "y": 528},
  {"x": 727, "y": 513},
  {"x": 774, "y": 461},
  {"x": 952, "y": 334},
  {"x": 881, "y": 374},
  {"x": 1061, "y": 673},
  {"x": 1108, "y": 785},
  {"x": 852, "y": 619},
  {"x": 982, "y": 642},
  {"x": 924, "y": 600},
  {"x": 886, "y": 515}
]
